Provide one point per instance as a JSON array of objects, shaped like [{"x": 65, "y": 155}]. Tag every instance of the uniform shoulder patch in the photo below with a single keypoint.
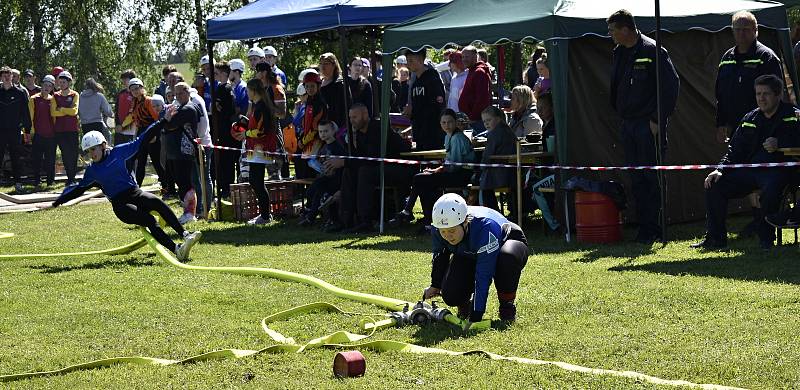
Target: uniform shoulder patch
[{"x": 491, "y": 245}]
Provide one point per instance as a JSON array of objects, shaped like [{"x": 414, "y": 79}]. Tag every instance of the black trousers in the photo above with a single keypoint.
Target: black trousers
[
  {"x": 738, "y": 183},
  {"x": 96, "y": 126},
  {"x": 44, "y": 151},
  {"x": 10, "y": 141},
  {"x": 256, "y": 181},
  {"x": 134, "y": 207},
  {"x": 68, "y": 143},
  {"x": 429, "y": 186},
  {"x": 358, "y": 188},
  {"x": 321, "y": 186},
  {"x": 154, "y": 151},
  {"x": 182, "y": 174},
  {"x": 459, "y": 281},
  {"x": 227, "y": 170},
  {"x": 640, "y": 149},
  {"x": 167, "y": 181}
]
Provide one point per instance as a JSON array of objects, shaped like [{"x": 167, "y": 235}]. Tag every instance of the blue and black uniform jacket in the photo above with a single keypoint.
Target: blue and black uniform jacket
[
  {"x": 735, "y": 89},
  {"x": 746, "y": 144},
  {"x": 488, "y": 231},
  {"x": 111, "y": 173},
  {"x": 633, "y": 82}
]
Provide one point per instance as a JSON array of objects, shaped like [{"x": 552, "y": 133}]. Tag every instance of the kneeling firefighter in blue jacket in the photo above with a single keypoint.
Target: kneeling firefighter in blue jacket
[{"x": 471, "y": 246}]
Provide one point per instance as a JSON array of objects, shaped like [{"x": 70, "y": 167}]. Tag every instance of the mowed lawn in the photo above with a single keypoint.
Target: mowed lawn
[{"x": 729, "y": 318}]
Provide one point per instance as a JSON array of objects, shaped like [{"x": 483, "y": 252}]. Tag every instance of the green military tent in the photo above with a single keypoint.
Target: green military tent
[{"x": 696, "y": 34}]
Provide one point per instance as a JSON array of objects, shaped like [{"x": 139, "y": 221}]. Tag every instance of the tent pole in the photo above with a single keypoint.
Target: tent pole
[
  {"x": 386, "y": 60},
  {"x": 343, "y": 61},
  {"x": 214, "y": 136},
  {"x": 661, "y": 126}
]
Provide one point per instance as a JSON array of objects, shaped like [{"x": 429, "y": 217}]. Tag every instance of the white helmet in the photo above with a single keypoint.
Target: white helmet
[
  {"x": 237, "y": 64},
  {"x": 255, "y": 51},
  {"x": 401, "y": 60},
  {"x": 448, "y": 211},
  {"x": 92, "y": 138},
  {"x": 135, "y": 81},
  {"x": 270, "y": 51},
  {"x": 203, "y": 60}
]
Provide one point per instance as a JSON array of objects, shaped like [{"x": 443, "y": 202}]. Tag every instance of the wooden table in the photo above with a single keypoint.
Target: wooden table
[
  {"x": 520, "y": 158},
  {"x": 790, "y": 151},
  {"x": 524, "y": 157},
  {"x": 436, "y": 154}
]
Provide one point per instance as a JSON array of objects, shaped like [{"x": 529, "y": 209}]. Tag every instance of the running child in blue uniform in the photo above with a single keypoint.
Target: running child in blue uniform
[
  {"x": 471, "y": 246},
  {"x": 131, "y": 205}
]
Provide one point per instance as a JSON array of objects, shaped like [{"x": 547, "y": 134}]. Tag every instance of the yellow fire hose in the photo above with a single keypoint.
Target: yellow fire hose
[{"x": 339, "y": 339}]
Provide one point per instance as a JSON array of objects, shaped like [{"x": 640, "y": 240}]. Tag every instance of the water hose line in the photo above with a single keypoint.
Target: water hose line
[{"x": 340, "y": 339}]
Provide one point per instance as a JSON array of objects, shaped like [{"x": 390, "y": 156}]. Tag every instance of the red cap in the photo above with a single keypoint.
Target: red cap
[
  {"x": 56, "y": 71},
  {"x": 312, "y": 77}
]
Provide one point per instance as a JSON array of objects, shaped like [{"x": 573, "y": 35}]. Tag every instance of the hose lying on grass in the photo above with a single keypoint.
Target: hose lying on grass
[{"x": 284, "y": 344}]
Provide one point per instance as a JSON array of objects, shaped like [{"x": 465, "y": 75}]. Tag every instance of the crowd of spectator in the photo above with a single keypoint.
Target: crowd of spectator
[
  {"x": 335, "y": 112},
  {"x": 250, "y": 111}
]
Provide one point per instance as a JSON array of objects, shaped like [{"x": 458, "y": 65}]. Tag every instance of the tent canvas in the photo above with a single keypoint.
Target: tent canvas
[
  {"x": 268, "y": 19},
  {"x": 698, "y": 33}
]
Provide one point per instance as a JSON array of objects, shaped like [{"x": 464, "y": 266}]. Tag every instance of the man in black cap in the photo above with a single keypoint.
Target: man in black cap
[{"x": 29, "y": 82}]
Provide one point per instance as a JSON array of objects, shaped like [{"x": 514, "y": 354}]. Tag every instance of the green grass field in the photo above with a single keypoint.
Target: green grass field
[{"x": 729, "y": 318}]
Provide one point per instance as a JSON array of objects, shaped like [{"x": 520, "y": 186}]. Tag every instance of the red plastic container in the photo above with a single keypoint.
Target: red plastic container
[
  {"x": 349, "y": 364},
  {"x": 597, "y": 218}
]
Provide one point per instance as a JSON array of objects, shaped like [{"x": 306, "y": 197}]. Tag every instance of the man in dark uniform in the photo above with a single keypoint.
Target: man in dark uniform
[
  {"x": 360, "y": 177},
  {"x": 633, "y": 96},
  {"x": 773, "y": 125},
  {"x": 14, "y": 117},
  {"x": 738, "y": 69},
  {"x": 427, "y": 103}
]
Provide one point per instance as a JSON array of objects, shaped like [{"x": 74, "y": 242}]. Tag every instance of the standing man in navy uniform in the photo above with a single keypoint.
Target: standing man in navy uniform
[
  {"x": 738, "y": 69},
  {"x": 633, "y": 96}
]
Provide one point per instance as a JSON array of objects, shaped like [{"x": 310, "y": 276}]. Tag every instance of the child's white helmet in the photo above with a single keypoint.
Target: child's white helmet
[
  {"x": 92, "y": 138},
  {"x": 448, "y": 211}
]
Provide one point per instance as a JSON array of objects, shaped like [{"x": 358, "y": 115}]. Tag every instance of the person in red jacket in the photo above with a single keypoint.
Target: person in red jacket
[
  {"x": 261, "y": 144},
  {"x": 64, "y": 110},
  {"x": 124, "y": 130},
  {"x": 476, "y": 95},
  {"x": 44, "y": 138}
]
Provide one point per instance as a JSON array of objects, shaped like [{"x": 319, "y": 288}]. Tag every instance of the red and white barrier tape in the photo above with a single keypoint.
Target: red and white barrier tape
[{"x": 693, "y": 167}]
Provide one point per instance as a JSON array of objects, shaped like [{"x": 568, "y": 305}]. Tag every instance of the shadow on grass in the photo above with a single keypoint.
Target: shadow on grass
[
  {"x": 282, "y": 232},
  {"x": 286, "y": 232},
  {"x": 780, "y": 265},
  {"x": 136, "y": 261},
  {"x": 406, "y": 244},
  {"x": 433, "y": 334}
]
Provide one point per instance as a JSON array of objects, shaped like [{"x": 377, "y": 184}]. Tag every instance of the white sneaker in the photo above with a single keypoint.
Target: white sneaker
[
  {"x": 181, "y": 252},
  {"x": 189, "y": 239},
  {"x": 186, "y": 218},
  {"x": 259, "y": 220}
]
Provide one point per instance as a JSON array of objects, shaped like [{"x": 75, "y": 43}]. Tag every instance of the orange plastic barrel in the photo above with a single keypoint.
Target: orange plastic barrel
[{"x": 597, "y": 218}]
